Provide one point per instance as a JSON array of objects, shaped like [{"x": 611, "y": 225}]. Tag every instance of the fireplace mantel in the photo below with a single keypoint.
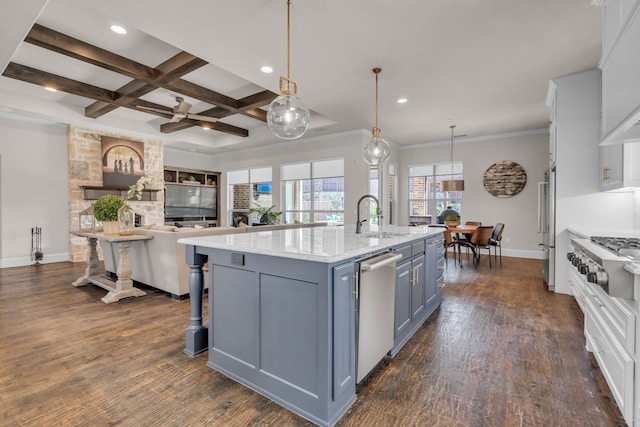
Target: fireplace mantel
[{"x": 94, "y": 193}]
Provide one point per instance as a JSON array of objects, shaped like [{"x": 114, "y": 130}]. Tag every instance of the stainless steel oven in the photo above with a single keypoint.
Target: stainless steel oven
[{"x": 602, "y": 266}]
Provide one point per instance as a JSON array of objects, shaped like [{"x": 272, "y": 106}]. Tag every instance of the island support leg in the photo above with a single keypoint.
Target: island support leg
[{"x": 196, "y": 335}]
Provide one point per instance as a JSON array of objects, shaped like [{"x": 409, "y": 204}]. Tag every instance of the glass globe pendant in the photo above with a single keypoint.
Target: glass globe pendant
[
  {"x": 287, "y": 116},
  {"x": 377, "y": 150}
]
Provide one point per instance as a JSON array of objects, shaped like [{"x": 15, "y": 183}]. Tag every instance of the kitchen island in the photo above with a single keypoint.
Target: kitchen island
[{"x": 283, "y": 308}]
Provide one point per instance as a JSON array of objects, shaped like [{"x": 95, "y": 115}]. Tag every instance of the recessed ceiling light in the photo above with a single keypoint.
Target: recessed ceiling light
[
  {"x": 402, "y": 101},
  {"x": 118, "y": 29},
  {"x": 50, "y": 89},
  {"x": 205, "y": 127},
  {"x": 266, "y": 69}
]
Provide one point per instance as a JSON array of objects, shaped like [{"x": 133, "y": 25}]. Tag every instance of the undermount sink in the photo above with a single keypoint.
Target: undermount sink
[{"x": 385, "y": 234}]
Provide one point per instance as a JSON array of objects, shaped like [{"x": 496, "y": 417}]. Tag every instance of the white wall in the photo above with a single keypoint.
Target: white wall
[
  {"x": 33, "y": 191},
  {"x": 518, "y": 213},
  {"x": 347, "y": 145}
]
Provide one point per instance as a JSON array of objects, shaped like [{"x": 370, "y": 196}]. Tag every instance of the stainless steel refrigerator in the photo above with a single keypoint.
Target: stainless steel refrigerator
[{"x": 547, "y": 225}]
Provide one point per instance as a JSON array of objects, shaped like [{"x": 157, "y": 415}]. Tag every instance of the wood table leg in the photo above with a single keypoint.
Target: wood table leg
[
  {"x": 93, "y": 264},
  {"x": 124, "y": 285}
]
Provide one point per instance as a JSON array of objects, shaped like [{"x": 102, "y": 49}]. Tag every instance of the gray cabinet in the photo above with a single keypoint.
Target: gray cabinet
[
  {"x": 286, "y": 328},
  {"x": 434, "y": 274},
  {"x": 417, "y": 290},
  {"x": 343, "y": 328}
]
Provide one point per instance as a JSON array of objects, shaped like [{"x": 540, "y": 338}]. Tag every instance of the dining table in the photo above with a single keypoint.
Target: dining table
[{"x": 465, "y": 229}]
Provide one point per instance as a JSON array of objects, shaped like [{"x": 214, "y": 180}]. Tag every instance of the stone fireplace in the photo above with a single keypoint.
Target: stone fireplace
[{"x": 85, "y": 170}]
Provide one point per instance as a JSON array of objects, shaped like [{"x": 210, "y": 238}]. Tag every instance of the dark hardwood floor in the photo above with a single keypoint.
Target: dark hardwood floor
[{"x": 500, "y": 351}]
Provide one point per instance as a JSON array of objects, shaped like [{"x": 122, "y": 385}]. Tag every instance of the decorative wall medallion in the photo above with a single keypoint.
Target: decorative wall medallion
[{"x": 504, "y": 179}]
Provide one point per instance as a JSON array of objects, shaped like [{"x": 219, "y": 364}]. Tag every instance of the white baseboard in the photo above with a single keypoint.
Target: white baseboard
[
  {"x": 22, "y": 261},
  {"x": 517, "y": 253}
]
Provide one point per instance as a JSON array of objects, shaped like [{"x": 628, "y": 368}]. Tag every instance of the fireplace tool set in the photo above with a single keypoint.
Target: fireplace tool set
[{"x": 36, "y": 245}]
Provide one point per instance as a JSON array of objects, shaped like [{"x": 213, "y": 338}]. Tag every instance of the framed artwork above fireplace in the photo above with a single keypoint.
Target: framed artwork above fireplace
[{"x": 122, "y": 162}]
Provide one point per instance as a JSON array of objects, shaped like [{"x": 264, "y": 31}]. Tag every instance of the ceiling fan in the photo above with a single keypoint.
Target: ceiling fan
[{"x": 181, "y": 111}]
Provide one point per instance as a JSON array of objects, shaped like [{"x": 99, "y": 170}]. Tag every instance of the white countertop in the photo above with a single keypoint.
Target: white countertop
[
  {"x": 589, "y": 232},
  {"x": 320, "y": 244}
]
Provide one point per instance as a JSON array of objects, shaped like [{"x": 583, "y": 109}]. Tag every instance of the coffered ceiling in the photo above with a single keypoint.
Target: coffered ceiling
[{"x": 483, "y": 64}]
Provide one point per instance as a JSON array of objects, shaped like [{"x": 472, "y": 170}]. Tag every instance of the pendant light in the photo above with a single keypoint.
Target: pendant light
[
  {"x": 287, "y": 115},
  {"x": 377, "y": 150},
  {"x": 452, "y": 184}
]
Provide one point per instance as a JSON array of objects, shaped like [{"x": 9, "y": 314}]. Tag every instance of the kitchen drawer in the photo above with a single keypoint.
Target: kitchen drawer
[
  {"x": 405, "y": 251},
  {"x": 616, "y": 364},
  {"x": 615, "y": 314},
  {"x": 417, "y": 248},
  {"x": 576, "y": 285}
]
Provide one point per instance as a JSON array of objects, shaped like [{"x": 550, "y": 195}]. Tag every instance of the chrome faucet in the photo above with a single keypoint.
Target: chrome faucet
[{"x": 358, "y": 222}]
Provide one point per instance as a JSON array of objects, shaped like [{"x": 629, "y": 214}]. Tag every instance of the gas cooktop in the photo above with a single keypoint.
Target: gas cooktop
[{"x": 624, "y": 246}]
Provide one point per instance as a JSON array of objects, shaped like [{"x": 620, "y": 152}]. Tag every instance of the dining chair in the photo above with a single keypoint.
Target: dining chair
[
  {"x": 496, "y": 241},
  {"x": 480, "y": 240},
  {"x": 467, "y": 236}
]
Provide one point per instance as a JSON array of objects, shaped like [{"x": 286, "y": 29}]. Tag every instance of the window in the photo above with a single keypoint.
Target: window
[
  {"x": 248, "y": 188},
  {"x": 426, "y": 201},
  {"x": 313, "y": 192}
]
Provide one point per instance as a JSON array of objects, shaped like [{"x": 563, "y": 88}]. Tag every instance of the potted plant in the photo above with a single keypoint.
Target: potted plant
[
  {"x": 105, "y": 209},
  {"x": 266, "y": 215},
  {"x": 452, "y": 220}
]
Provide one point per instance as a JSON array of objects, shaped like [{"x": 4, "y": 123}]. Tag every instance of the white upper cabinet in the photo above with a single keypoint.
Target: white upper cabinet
[
  {"x": 616, "y": 15},
  {"x": 620, "y": 66},
  {"x": 620, "y": 167}
]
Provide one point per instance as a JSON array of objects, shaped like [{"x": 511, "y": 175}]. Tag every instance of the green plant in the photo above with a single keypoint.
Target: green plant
[
  {"x": 452, "y": 218},
  {"x": 106, "y": 207},
  {"x": 266, "y": 215}
]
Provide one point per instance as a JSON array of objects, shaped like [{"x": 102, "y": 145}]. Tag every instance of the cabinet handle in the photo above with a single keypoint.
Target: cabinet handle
[
  {"x": 355, "y": 284},
  {"x": 605, "y": 173}
]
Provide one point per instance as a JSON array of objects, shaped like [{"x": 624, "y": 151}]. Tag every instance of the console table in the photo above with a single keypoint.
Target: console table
[{"x": 123, "y": 286}]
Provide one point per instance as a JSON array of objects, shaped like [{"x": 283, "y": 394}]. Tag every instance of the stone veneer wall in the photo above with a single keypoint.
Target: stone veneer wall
[{"x": 84, "y": 149}]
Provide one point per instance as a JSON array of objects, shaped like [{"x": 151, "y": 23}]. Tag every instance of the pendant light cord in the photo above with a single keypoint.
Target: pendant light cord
[
  {"x": 376, "y": 130},
  {"x": 288, "y": 39},
  {"x": 452, "y": 126}
]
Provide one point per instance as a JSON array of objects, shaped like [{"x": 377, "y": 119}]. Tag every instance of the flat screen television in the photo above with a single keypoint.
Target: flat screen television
[{"x": 190, "y": 201}]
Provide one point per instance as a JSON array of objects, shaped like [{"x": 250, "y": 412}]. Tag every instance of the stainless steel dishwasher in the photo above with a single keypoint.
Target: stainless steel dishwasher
[{"x": 376, "y": 309}]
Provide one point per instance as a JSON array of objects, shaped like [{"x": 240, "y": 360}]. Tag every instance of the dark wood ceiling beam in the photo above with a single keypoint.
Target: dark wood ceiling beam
[
  {"x": 247, "y": 108},
  {"x": 203, "y": 94},
  {"x": 173, "y": 68},
  {"x": 61, "y": 43},
  {"x": 42, "y": 78},
  {"x": 256, "y": 113},
  {"x": 219, "y": 126},
  {"x": 256, "y": 100},
  {"x": 167, "y": 75}
]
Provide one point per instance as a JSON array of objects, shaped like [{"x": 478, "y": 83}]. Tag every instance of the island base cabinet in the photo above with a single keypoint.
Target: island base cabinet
[
  {"x": 417, "y": 291},
  {"x": 285, "y": 329}
]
